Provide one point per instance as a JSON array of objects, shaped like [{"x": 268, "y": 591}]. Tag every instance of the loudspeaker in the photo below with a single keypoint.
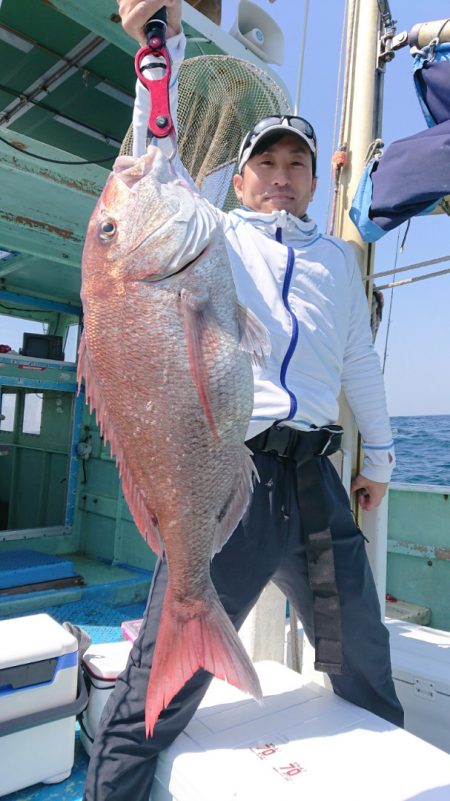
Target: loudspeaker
[{"x": 258, "y": 31}]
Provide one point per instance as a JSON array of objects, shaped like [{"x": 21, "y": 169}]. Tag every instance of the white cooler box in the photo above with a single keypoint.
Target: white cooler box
[
  {"x": 302, "y": 743},
  {"x": 103, "y": 662},
  {"x": 101, "y": 665},
  {"x": 421, "y": 670},
  {"x": 38, "y": 701}
]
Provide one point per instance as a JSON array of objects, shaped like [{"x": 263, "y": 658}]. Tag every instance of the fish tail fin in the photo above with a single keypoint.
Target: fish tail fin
[{"x": 201, "y": 636}]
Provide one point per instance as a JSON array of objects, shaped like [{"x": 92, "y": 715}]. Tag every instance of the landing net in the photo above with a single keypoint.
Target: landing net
[{"x": 220, "y": 98}]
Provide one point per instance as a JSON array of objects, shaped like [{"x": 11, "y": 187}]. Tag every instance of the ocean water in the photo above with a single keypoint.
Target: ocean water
[{"x": 422, "y": 448}]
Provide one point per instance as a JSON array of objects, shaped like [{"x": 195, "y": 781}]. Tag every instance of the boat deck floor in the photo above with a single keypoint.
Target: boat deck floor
[
  {"x": 110, "y": 596},
  {"x": 107, "y": 584}
]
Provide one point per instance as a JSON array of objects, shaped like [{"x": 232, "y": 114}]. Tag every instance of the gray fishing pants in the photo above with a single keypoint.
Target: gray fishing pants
[{"x": 267, "y": 545}]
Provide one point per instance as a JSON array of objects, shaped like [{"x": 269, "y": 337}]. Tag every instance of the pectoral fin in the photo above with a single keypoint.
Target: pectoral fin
[
  {"x": 195, "y": 320},
  {"x": 254, "y": 336}
]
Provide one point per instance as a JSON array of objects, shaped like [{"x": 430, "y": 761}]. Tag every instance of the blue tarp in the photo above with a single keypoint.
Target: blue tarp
[
  {"x": 413, "y": 174},
  {"x": 432, "y": 82}
]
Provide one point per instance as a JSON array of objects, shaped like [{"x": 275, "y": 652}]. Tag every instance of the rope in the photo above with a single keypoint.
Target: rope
[
  {"x": 391, "y": 300},
  {"x": 339, "y": 158},
  {"x": 338, "y": 162},
  {"x": 386, "y": 14},
  {"x": 438, "y": 35}
]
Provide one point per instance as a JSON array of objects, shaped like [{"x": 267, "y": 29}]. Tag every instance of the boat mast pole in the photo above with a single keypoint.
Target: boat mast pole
[{"x": 362, "y": 125}]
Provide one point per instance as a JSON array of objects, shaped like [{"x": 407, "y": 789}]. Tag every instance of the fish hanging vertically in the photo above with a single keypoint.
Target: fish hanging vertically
[{"x": 166, "y": 357}]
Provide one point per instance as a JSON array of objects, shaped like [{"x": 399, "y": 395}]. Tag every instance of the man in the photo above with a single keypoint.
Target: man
[{"x": 299, "y": 532}]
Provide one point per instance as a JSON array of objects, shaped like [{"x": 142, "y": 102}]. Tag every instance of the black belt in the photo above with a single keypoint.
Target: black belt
[{"x": 303, "y": 447}]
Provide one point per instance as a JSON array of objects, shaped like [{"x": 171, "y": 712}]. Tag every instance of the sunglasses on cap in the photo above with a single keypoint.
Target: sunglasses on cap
[{"x": 296, "y": 124}]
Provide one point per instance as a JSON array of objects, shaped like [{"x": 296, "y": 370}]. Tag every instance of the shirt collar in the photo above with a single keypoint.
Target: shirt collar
[{"x": 293, "y": 227}]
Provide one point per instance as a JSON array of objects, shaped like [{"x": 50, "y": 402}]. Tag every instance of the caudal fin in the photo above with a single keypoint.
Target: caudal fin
[{"x": 193, "y": 637}]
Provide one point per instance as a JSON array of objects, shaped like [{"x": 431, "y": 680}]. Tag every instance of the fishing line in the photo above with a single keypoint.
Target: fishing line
[
  {"x": 397, "y": 250},
  {"x": 54, "y": 161},
  {"x": 22, "y": 309}
]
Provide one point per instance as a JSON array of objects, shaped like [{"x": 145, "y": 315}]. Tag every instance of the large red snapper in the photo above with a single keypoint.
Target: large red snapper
[{"x": 165, "y": 355}]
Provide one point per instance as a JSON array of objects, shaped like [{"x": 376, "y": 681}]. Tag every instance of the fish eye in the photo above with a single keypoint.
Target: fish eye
[{"x": 107, "y": 229}]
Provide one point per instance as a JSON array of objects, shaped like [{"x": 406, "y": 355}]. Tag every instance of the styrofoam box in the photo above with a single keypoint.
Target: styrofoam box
[
  {"x": 421, "y": 670},
  {"x": 105, "y": 661},
  {"x": 102, "y": 663},
  {"x": 131, "y": 628},
  {"x": 43, "y": 753},
  {"x": 303, "y": 742},
  {"x": 420, "y": 659}
]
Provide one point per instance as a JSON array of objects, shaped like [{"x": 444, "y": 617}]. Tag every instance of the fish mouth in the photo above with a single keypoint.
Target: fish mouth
[{"x": 150, "y": 279}]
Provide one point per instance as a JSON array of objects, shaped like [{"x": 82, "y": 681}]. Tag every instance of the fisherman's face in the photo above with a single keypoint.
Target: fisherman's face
[{"x": 280, "y": 177}]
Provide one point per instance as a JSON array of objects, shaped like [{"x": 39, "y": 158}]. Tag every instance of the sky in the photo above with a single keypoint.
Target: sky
[{"x": 415, "y": 352}]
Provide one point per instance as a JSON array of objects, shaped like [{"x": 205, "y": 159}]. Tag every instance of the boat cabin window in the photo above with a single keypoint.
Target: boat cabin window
[
  {"x": 37, "y": 401},
  {"x": 7, "y": 411},
  {"x": 32, "y": 414},
  {"x": 71, "y": 343},
  {"x": 12, "y": 330}
]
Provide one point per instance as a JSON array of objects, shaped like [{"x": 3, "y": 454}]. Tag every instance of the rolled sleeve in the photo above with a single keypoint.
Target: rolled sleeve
[{"x": 379, "y": 461}]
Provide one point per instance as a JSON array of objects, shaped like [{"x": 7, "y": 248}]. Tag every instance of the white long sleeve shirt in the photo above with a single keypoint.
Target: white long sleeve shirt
[{"x": 306, "y": 288}]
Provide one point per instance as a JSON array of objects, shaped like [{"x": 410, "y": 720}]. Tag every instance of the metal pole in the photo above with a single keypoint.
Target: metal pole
[
  {"x": 363, "y": 118},
  {"x": 363, "y": 125},
  {"x": 302, "y": 59}
]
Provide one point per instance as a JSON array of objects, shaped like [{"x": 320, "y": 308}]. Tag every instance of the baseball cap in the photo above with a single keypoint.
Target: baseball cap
[{"x": 285, "y": 124}]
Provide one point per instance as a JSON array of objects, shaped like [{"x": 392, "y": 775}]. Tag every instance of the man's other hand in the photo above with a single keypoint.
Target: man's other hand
[
  {"x": 370, "y": 493},
  {"x": 135, "y": 13}
]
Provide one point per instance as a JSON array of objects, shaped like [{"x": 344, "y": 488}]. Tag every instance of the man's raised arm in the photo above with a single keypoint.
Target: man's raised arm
[{"x": 135, "y": 13}]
